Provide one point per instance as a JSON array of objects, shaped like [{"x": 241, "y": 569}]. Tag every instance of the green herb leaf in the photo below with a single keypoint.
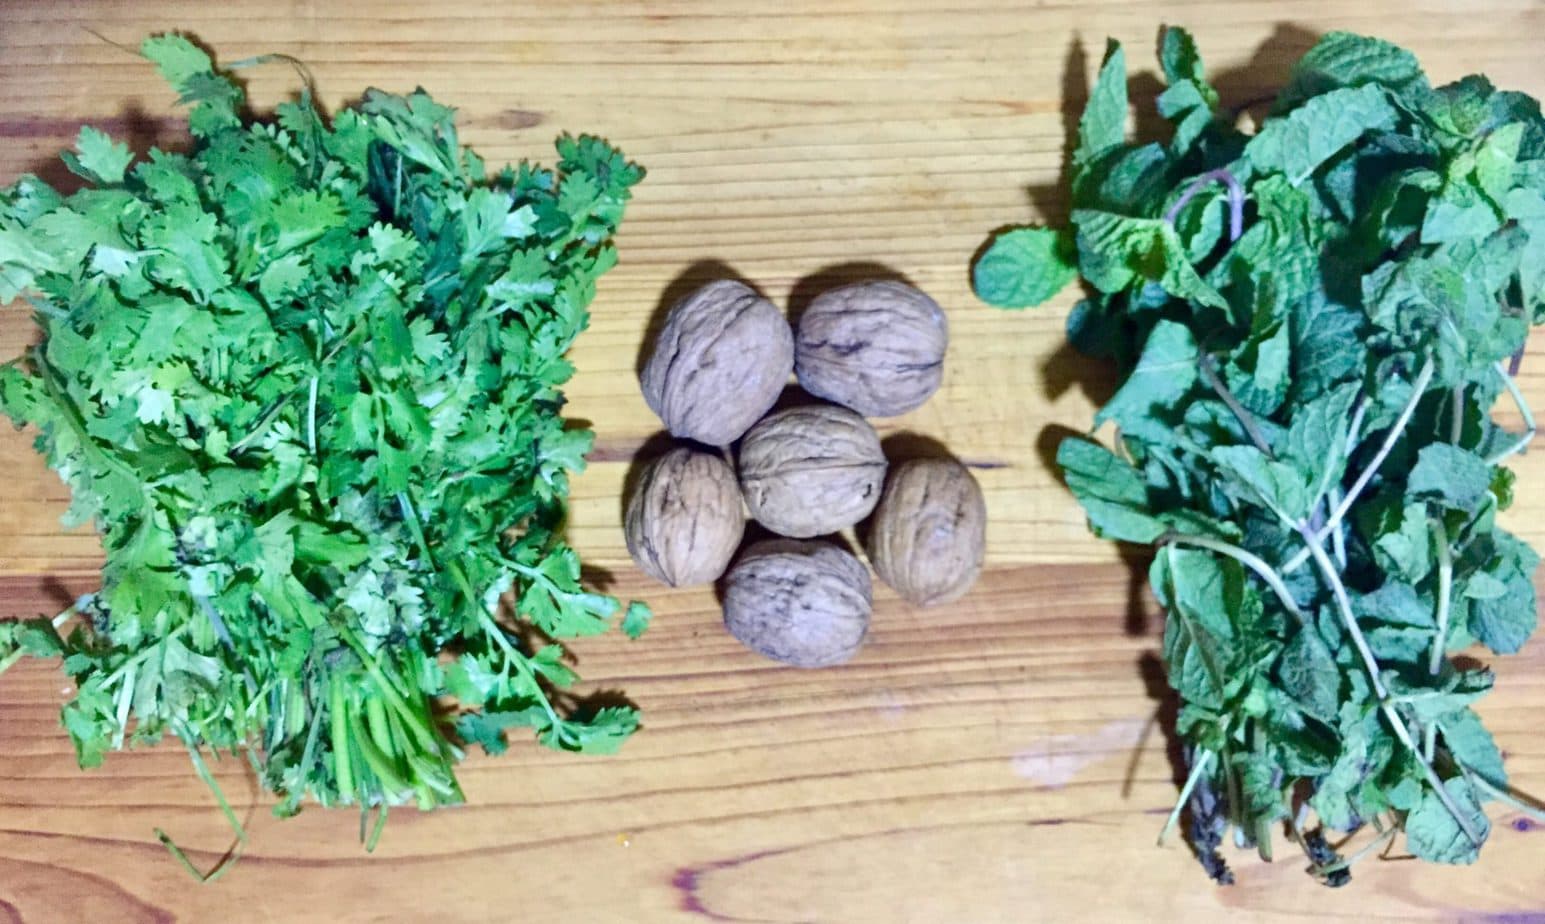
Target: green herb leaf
[
  {"x": 1433, "y": 834},
  {"x": 1112, "y": 492},
  {"x": 1023, "y": 267},
  {"x": 306, "y": 379}
]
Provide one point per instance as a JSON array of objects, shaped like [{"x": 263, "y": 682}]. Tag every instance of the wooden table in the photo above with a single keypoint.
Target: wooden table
[{"x": 995, "y": 760}]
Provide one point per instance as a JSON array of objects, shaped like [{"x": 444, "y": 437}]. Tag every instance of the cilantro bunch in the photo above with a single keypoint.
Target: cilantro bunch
[
  {"x": 1312, "y": 323},
  {"x": 306, "y": 381}
]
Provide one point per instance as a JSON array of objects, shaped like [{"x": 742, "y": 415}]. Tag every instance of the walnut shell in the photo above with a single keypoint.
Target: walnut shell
[
  {"x": 929, "y": 532},
  {"x": 685, "y": 519},
  {"x": 876, "y": 347},
  {"x": 720, "y": 362},
  {"x": 808, "y": 471},
  {"x": 803, "y": 603}
]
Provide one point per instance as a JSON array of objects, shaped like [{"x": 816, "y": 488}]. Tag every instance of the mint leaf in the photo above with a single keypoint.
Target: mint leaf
[
  {"x": 1103, "y": 124},
  {"x": 1023, "y": 267},
  {"x": 1117, "y": 251},
  {"x": 1110, "y": 490},
  {"x": 1165, "y": 373},
  {"x": 1433, "y": 834},
  {"x": 1451, "y": 476},
  {"x": 1277, "y": 486},
  {"x": 1299, "y": 143},
  {"x": 1343, "y": 59}
]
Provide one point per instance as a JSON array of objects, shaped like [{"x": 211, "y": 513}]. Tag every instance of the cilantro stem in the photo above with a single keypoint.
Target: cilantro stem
[
  {"x": 1390, "y": 439},
  {"x": 177, "y": 853},
  {"x": 494, "y": 630},
  {"x": 410, "y": 517},
  {"x": 1397, "y": 724},
  {"x": 311, "y": 420},
  {"x": 1198, "y": 768},
  {"x": 1236, "y": 200},
  {"x": 375, "y": 832},
  {"x": 202, "y": 769},
  {"x": 1264, "y": 571},
  {"x": 1445, "y": 595},
  {"x": 343, "y": 760},
  {"x": 1522, "y": 441},
  {"x": 1245, "y": 418}
]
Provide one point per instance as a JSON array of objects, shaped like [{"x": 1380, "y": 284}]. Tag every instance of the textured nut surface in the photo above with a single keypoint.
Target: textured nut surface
[
  {"x": 799, "y": 602},
  {"x": 685, "y": 518},
  {"x": 876, "y": 347},
  {"x": 719, "y": 363},
  {"x": 929, "y": 532},
  {"x": 808, "y": 471}
]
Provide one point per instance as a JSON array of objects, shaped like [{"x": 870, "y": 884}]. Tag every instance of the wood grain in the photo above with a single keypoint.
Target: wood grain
[{"x": 990, "y": 761}]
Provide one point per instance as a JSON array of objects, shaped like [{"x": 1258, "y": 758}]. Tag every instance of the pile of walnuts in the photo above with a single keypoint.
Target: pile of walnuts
[{"x": 720, "y": 364}]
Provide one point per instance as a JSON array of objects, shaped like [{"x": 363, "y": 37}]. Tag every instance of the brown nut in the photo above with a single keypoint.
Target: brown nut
[
  {"x": 808, "y": 471},
  {"x": 720, "y": 362},
  {"x": 929, "y": 532},
  {"x": 685, "y": 519},
  {"x": 799, "y": 602},
  {"x": 876, "y": 347}
]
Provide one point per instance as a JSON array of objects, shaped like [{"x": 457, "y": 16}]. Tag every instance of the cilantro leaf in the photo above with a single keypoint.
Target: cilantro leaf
[{"x": 306, "y": 380}]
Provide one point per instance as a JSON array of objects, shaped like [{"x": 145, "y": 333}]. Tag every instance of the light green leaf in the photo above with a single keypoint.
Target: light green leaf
[
  {"x": 1103, "y": 123},
  {"x": 1116, "y": 251},
  {"x": 1023, "y": 267},
  {"x": 1472, "y": 745},
  {"x": 98, "y": 158},
  {"x": 636, "y": 619}
]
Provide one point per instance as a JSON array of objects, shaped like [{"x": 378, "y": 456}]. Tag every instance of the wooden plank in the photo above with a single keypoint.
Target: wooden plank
[{"x": 990, "y": 761}]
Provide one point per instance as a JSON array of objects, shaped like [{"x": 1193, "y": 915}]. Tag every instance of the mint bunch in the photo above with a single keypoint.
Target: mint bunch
[
  {"x": 306, "y": 380},
  {"x": 1312, "y": 323}
]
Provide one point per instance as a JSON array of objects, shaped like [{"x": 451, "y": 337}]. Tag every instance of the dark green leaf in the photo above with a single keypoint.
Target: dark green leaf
[
  {"x": 1434, "y": 835},
  {"x": 1299, "y": 143},
  {"x": 1110, "y": 490}
]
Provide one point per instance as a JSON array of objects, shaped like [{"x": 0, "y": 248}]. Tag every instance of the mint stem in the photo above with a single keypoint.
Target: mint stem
[
  {"x": 1198, "y": 768},
  {"x": 1266, "y": 572},
  {"x": 1236, "y": 200},
  {"x": 1518, "y": 445},
  {"x": 1445, "y": 595},
  {"x": 1397, "y": 724},
  {"x": 1390, "y": 439},
  {"x": 1245, "y": 418}
]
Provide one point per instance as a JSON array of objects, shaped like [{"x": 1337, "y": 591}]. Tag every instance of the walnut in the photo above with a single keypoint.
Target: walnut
[
  {"x": 808, "y": 471},
  {"x": 929, "y": 532},
  {"x": 685, "y": 519},
  {"x": 800, "y": 602},
  {"x": 720, "y": 362},
  {"x": 876, "y": 347}
]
